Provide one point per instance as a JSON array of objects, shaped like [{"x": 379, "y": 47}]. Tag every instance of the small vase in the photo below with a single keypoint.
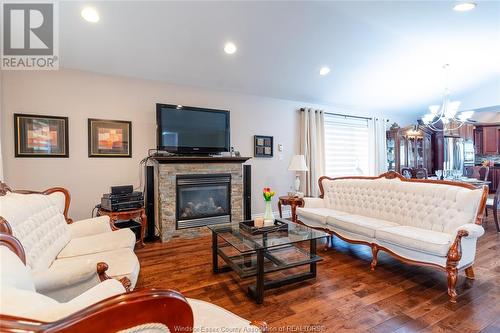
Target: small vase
[{"x": 268, "y": 214}]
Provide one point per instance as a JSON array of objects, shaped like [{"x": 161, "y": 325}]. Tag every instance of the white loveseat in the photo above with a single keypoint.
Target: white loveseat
[
  {"x": 432, "y": 223},
  {"x": 63, "y": 255},
  {"x": 106, "y": 307}
]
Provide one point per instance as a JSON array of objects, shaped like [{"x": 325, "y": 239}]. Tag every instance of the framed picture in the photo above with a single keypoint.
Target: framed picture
[
  {"x": 40, "y": 136},
  {"x": 263, "y": 146},
  {"x": 110, "y": 138}
]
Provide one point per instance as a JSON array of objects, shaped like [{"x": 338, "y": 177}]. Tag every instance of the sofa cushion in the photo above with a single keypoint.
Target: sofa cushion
[
  {"x": 358, "y": 224},
  {"x": 107, "y": 241},
  {"x": 421, "y": 205},
  {"x": 13, "y": 272},
  {"x": 24, "y": 303},
  {"x": 423, "y": 240},
  {"x": 121, "y": 263},
  {"x": 38, "y": 222},
  {"x": 318, "y": 215},
  {"x": 209, "y": 317}
]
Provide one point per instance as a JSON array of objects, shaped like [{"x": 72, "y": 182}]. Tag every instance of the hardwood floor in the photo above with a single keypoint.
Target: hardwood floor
[{"x": 346, "y": 296}]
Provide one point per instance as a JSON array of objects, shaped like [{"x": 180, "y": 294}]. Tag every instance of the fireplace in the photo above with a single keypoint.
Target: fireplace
[{"x": 203, "y": 200}]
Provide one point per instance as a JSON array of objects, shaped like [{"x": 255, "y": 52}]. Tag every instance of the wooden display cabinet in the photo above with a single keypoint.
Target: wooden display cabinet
[{"x": 409, "y": 147}]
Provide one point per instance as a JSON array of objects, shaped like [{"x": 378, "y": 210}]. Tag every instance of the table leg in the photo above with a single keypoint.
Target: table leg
[
  {"x": 279, "y": 209},
  {"x": 259, "y": 288},
  {"x": 312, "y": 253},
  {"x": 293, "y": 207},
  {"x": 215, "y": 260},
  {"x": 112, "y": 220}
]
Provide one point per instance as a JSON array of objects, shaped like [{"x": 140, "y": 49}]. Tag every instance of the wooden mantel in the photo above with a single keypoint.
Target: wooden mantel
[{"x": 199, "y": 159}]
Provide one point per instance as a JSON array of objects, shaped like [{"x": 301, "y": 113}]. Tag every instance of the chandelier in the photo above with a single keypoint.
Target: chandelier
[{"x": 446, "y": 113}]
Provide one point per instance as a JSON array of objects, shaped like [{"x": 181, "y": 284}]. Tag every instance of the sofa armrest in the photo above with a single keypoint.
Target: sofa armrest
[
  {"x": 314, "y": 203},
  {"x": 103, "y": 290},
  {"x": 136, "y": 309},
  {"x": 55, "y": 279},
  {"x": 473, "y": 230},
  {"x": 89, "y": 227}
]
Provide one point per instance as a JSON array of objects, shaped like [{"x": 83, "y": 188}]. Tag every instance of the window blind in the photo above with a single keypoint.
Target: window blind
[{"x": 346, "y": 146}]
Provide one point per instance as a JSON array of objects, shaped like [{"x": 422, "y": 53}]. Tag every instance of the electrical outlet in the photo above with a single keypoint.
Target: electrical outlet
[{"x": 280, "y": 147}]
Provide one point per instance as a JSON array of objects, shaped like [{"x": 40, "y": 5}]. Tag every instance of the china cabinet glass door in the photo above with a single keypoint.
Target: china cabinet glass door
[{"x": 419, "y": 141}]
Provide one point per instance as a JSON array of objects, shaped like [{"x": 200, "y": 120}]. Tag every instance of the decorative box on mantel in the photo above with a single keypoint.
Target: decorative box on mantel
[{"x": 196, "y": 191}]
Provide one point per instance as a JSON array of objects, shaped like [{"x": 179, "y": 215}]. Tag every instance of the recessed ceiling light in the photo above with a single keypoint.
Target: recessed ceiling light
[
  {"x": 464, "y": 6},
  {"x": 230, "y": 48},
  {"x": 324, "y": 70},
  {"x": 90, "y": 14}
]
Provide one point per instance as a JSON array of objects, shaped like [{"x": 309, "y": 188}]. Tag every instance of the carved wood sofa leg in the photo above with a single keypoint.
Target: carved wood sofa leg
[
  {"x": 374, "y": 257},
  {"x": 126, "y": 283},
  {"x": 454, "y": 256},
  {"x": 261, "y": 325},
  {"x": 452, "y": 273},
  {"x": 469, "y": 273}
]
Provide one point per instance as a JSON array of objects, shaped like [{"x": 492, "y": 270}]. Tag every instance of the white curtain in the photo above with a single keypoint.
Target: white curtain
[
  {"x": 312, "y": 146},
  {"x": 378, "y": 148}
]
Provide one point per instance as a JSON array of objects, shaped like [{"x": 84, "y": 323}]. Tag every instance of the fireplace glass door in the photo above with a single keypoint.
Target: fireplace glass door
[{"x": 203, "y": 200}]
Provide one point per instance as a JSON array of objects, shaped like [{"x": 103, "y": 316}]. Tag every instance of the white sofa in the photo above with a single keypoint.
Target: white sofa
[
  {"x": 63, "y": 256},
  {"x": 432, "y": 223},
  {"x": 106, "y": 307}
]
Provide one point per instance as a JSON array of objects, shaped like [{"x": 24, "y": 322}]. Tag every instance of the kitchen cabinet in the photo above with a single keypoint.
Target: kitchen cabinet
[
  {"x": 478, "y": 140},
  {"x": 490, "y": 140},
  {"x": 466, "y": 132},
  {"x": 409, "y": 147}
]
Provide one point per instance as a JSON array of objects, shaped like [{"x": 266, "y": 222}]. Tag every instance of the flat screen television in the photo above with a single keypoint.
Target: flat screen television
[{"x": 191, "y": 130}]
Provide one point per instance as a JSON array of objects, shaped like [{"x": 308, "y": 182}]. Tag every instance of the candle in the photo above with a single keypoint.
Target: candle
[{"x": 259, "y": 222}]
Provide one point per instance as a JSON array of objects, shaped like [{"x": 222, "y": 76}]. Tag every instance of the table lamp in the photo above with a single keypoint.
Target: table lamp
[{"x": 298, "y": 164}]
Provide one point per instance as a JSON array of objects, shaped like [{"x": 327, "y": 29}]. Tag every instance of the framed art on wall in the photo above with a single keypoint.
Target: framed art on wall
[
  {"x": 263, "y": 146},
  {"x": 110, "y": 138},
  {"x": 40, "y": 136}
]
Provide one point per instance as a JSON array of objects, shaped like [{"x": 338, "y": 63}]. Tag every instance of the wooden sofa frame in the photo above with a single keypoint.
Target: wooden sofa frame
[
  {"x": 112, "y": 314},
  {"x": 5, "y": 227},
  {"x": 455, "y": 252}
]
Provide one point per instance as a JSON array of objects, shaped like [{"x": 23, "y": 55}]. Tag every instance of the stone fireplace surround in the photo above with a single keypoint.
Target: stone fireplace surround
[{"x": 167, "y": 170}]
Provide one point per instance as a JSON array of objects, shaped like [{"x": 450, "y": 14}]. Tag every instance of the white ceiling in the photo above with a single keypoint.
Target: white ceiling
[{"x": 384, "y": 56}]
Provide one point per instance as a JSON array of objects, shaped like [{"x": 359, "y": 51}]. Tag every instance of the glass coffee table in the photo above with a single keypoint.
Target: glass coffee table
[{"x": 257, "y": 255}]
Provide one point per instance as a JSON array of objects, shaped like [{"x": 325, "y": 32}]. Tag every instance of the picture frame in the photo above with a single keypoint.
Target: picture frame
[
  {"x": 109, "y": 138},
  {"x": 40, "y": 136},
  {"x": 263, "y": 146}
]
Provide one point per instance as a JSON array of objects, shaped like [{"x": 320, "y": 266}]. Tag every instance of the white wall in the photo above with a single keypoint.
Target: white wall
[{"x": 81, "y": 95}]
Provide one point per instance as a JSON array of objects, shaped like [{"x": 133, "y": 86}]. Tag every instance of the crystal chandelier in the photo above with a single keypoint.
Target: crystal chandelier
[{"x": 446, "y": 113}]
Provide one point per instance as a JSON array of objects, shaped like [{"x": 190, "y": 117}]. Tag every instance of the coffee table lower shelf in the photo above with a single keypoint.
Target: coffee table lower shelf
[{"x": 260, "y": 262}]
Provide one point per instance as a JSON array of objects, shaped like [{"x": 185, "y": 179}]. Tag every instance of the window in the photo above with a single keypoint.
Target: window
[{"x": 346, "y": 146}]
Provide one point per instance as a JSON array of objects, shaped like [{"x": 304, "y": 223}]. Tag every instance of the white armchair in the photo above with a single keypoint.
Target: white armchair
[
  {"x": 106, "y": 307},
  {"x": 61, "y": 254}
]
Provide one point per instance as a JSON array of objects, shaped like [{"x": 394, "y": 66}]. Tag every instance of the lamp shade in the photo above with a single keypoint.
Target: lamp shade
[{"x": 298, "y": 163}]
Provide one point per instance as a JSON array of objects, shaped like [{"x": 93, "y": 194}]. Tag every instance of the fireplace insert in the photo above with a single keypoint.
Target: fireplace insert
[{"x": 203, "y": 200}]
